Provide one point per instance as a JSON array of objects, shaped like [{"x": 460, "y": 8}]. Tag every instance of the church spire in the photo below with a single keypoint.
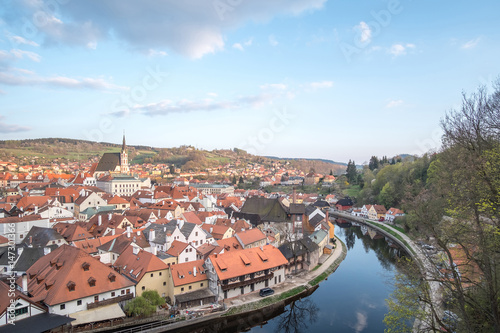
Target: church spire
[{"x": 124, "y": 146}]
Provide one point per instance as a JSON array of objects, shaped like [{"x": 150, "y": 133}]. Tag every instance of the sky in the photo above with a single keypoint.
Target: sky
[{"x": 325, "y": 79}]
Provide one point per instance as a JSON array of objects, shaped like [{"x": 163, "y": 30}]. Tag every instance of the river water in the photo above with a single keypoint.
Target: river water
[{"x": 353, "y": 297}]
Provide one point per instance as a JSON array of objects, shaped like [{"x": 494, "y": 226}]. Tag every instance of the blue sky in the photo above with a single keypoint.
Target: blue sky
[{"x": 292, "y": 78}]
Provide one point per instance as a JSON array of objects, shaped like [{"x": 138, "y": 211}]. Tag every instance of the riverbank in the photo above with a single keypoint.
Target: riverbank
[{"x": 250, "y": 309}]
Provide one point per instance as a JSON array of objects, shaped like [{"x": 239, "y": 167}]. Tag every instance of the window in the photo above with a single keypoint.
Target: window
[
  {"x": 143, "y": 287},
  {"x": 164, "y": 283},
  {"x": 79, "y": 302},
  {"x": 201, "y": 284},
  {"x": 151, "y": 274},
  {"x": 190, "y": 287},
  {"x": 21, "y": 311},
  {"x": 182, "y": 289},
  {"x": 186, "y": 259},
  {"x": 159, "y": 273},
  {"x": 62, "y": 306},
  {"x": 123, "y": 292},
  {"x": 96, "y": 298},
  {"x": 128, "y": 291}
]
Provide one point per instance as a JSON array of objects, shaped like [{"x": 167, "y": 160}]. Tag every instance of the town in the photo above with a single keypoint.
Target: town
[{"x": 83, "y": 246}]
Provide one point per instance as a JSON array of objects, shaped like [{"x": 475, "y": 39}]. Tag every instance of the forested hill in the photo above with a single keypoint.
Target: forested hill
[{"x": 39, "y": 151}]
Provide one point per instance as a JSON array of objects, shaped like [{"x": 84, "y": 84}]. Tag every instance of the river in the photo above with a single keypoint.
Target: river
[{"x": 353, "y": 298}]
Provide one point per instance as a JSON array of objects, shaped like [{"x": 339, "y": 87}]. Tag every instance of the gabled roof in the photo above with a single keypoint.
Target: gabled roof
[
  {"x": 380, "y": 209},
  {"x": 237, "y": 263},
  {"x": 39, "y": 237},
  {"x": 250, "y": 236},
  {"x": 108, "y": 162},
  {"x": 5, "y": 301},
  {"x": 298, "y": 247},
  {"x": 50, "y": 278},
  {"x": 176, "y": 248},
  {"x": 345, "y": 202},
  {"x": 72, "y": 232},
  {"x": 117, "y": 200},
  {"x": 116, "y": 245},
  {"x": 217, "y": 231},
  {"x": 318, "y": 236},
  {"x": 315, "y": 220},
  {"x": 269, "y": 210},
  {"x": 33, "y": 201},
  {"x": 229, "y": 244},
  {"x": 135, "y": 263},
  {"x": 189, "y": 272},
  {"x": 297, "y": 208},
  {"x": 191, "y": 217}
]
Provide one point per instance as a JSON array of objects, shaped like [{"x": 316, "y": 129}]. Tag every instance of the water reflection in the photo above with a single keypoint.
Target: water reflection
[{"x": 298, "y": 316}]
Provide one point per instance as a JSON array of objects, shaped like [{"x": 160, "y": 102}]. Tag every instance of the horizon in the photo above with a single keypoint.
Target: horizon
[{"x": 311, "y": 79}]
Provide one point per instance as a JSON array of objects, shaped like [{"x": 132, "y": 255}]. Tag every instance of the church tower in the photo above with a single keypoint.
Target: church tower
[{"x": 124, "y": 158}]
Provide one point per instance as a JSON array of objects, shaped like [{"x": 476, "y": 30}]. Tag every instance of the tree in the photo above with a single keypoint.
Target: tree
[
  {"x": 458, "y": 209},
  {"x": 373, "y": 164},
  {"x": 144, "y": 305},
  {"x": 351, "y": 172}
]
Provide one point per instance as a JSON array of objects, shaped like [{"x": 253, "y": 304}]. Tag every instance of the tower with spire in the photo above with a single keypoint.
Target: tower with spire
[{"x": 124, "y": 158}]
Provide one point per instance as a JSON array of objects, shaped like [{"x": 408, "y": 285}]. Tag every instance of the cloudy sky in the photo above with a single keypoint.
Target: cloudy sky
[{"x": 292, "y": 78}]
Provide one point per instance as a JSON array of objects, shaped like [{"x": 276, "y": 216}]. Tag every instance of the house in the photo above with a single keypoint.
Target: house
[
  {"x": 301, "y": 254},
  {"x": 314, "y": 218},
  {"x": 72, "y": 232},
  {"x": 68, "y": 280},
  {"x": 147, "y": 271},
  {"x": 235, "y": 273},
  {"x": 365, "y": 209},
  {"x": 393, "y": 213},
  {"x": 188, "y": 285},
  {"x": 251, "y": 238},
  {"x": 88, "y": 199},
  {"x": 184, "y": 252},
  {"x": 42, "y": 237},
  {"x": 344, "y": 204},
  {"x": 27, "y": 256},
  {"x": 320, "y": 237},
  {"x": 228, "y": 244},
  {"x": 161, "y": 236},
  {"x": 377, "y": 212},
  {"x": 218, "y": 231},
  {"x": 119, "y": 202},
  {"x": 191, "y": 217}
]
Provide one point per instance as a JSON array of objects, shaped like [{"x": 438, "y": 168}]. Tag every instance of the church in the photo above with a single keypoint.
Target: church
[{"x": 112, "y": 163}]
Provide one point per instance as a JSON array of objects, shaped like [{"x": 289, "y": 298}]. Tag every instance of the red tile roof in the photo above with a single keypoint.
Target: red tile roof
[
  {"x": 135, "y": 265},
  {"x": 49, "y": 278},
  {"x": 189, "y": 272},
  {"x": 176, "y": 248},
  {"x": 250, "y": 236},
  {"x": 236, "y": 263}
]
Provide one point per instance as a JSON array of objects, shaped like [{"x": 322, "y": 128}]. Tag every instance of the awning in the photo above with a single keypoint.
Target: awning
[
  {"x": 106, "y": 312},
  {"x": 39, "y": 323},
  {"x": 194, "y": 296}
]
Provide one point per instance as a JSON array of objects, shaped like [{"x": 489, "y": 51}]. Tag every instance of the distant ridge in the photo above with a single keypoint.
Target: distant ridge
[{"x": 306, "y": 159}]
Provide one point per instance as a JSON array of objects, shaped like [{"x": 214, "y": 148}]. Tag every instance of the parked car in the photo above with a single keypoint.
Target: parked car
[{"x": 266, "y": 292}]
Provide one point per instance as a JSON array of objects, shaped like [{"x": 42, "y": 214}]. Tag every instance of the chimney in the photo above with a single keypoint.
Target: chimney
[
  {"x": 128, "y": 231},
  {"x": 138, "y": 232},
  {"x": 194, "y": 271},
  {"x": 46, "y": 250},
  {"x": 151, "y": 234},
  {"x": 113, "y": 232},
  {"x": 99, "y": 220},
  {"x": 135, "y": 250},
  {"x": 110, "y": 216},
  {"x": 155, "y": 250},
  {"x": 211, "y": 229},
  {"x": 31, "y": 240},
  {"x": 25, "y": 283},
  {"x": 36, "y": 209},
  {"x": 20, "y": 251},
  {"x": 293, "y": 196},
  {"x": 327, "y": 218}
]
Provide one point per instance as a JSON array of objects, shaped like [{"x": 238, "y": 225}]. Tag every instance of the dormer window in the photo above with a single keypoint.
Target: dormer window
[
  {"x": 86, "y": 266},
  {"x": 91, "y": 281},
  {"x": 112, "y": 277},
  {"x": 71, "y": 286}
]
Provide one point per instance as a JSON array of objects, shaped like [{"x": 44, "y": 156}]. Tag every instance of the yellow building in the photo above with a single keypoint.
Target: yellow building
[
  {"x": 145, "y": 269},
  {"x": 188, "y": 285}
]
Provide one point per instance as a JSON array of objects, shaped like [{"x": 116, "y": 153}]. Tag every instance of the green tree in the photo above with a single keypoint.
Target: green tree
[
  {"x": 144, "y": 305},
  {"x": 351, "y": 172},
  {"x": 374, "y": 163}
]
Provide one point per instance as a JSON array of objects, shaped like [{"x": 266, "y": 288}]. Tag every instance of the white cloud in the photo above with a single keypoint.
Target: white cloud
[
  {"x": 394, "y": 103},
  {"x": 278, "y": 86},
  {"x": 212, "y": 94},
  {"x": 361, "y": 323},
  {"x": 471, "y": 44},
  {"x": 13, "y": 79},
  {"x": 156, "y": 53},
  {"x": 248, "y": 42},
  {"x": 22, "y": 40},
  {"x": 321, "y": 84},
  {"x": 192, "y": 28},
  {"x": 400, "y": 49},
  {"x": 272, "y": 40},
  {"x": 238, "y": 46},
  {"x": 21, "y": 53},
  {"x": 365, "y": 33}
]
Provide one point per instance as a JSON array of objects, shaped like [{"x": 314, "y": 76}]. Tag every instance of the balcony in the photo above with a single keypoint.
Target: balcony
[{"x": 247, "y": 282}]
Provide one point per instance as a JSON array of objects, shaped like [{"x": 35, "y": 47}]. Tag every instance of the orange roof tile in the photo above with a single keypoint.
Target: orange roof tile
[{"x": 189, "y": 272}]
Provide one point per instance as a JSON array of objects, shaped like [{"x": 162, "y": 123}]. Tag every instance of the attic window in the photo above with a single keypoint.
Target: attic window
[
  {"x": 85, "y": 266},
  {"x": 71, "y": 286},
  {"x": 112, "y": 277},
  {"x": 58, "y": 266},
  {"x": 91, "y": 281}
]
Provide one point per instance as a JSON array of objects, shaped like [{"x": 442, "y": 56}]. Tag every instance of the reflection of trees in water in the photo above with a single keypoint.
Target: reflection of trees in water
[
  {"x": 387, "y": 256},
  {"x": 297, "y": 316}
]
